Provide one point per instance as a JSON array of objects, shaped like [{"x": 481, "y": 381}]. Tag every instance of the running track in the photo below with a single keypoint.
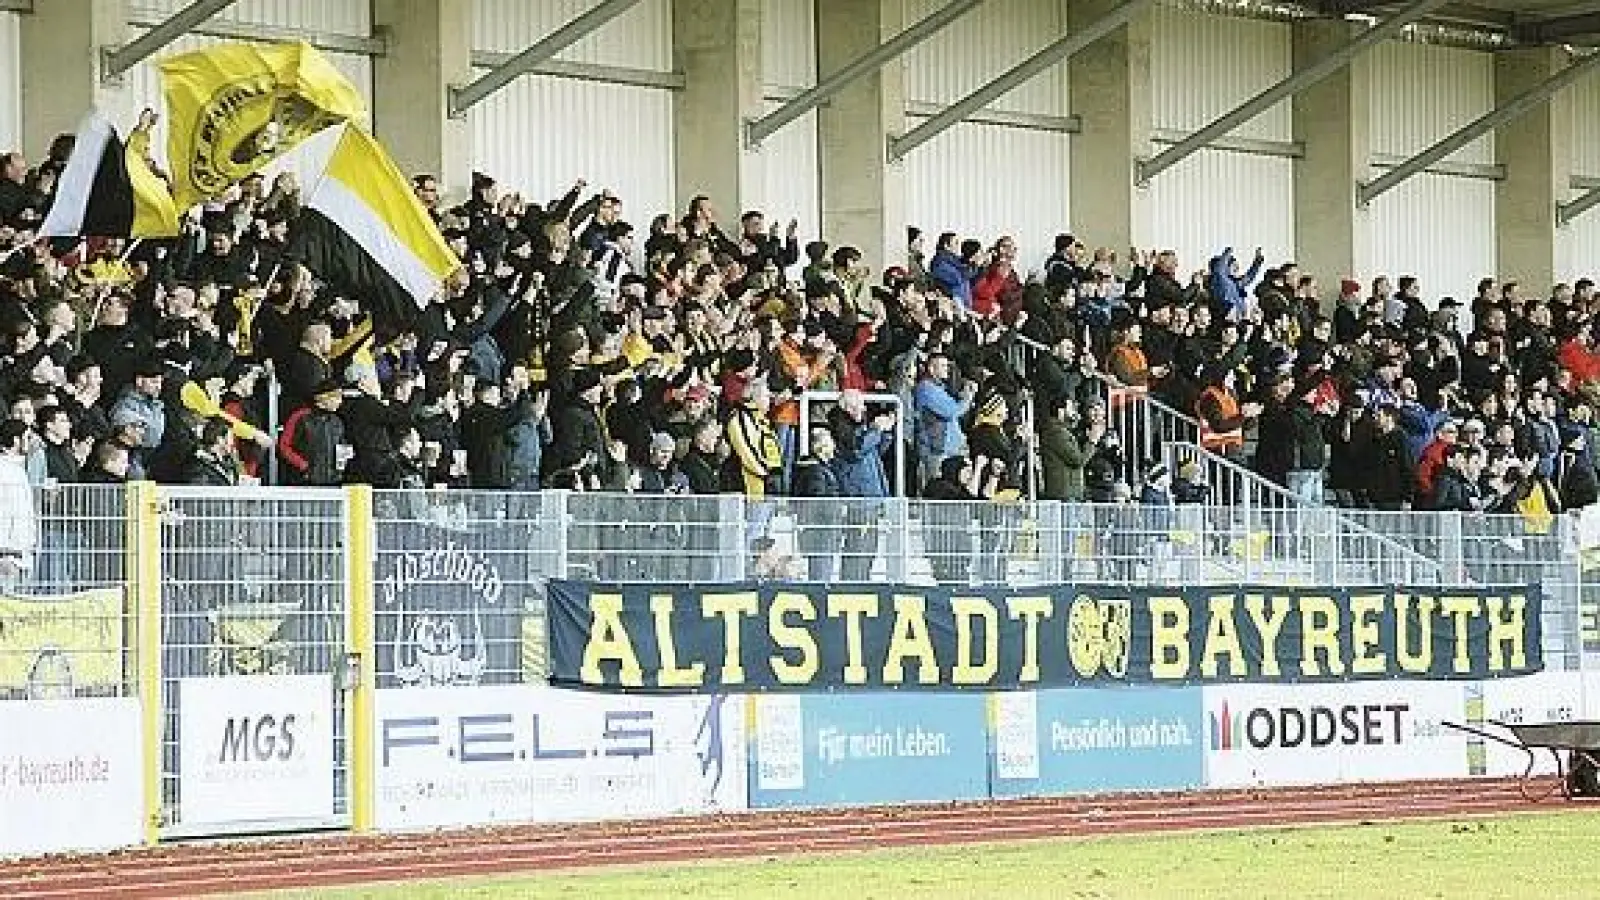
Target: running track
[{"x": 217, "y": 868}]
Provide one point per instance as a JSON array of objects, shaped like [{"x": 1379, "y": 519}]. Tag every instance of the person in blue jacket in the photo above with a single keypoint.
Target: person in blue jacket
[
  {"x": 950, "y": 272},
  {"x": 1229, "y": 290}
]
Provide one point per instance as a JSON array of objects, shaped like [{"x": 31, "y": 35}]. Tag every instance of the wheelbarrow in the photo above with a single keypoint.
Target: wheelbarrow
[{"x": 1575, "y": 746}]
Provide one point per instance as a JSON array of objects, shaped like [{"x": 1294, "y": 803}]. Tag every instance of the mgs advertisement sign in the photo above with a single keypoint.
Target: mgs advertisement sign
[
  {"x": 1315, "y": 734},
  {"x": 451, "y": 757},
  {"x": 256, "y": 748}
]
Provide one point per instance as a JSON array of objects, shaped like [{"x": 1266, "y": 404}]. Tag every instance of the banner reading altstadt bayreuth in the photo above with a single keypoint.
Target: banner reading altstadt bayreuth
[{"x": 765, "y": 636}]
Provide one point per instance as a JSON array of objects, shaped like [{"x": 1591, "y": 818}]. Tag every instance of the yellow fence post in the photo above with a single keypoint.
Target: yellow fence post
[
  {"x": 143, "y": 571},
  {"x": 359, "y": 640}
]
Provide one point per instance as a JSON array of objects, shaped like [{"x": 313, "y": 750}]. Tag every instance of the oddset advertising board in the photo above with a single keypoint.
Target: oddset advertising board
[
  {"x": 1096, "y": 740},
  {"x": 1326, "y": 734},
  {"x": 256, "y": 748},
  {"x": 70, "y": 775},
  {"x": 448, "y": 757},
  {"x": 846, "y": 749}
]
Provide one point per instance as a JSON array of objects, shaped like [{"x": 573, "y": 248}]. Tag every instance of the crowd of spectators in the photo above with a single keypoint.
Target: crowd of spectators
[{"x": 578, "y": 351}]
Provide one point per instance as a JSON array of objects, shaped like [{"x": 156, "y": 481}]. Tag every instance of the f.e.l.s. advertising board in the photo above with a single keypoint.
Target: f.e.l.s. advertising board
[{"x": 519, "y": 753}]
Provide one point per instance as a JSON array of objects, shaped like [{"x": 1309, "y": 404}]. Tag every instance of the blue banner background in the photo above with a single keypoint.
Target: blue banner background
[
  {"x": 1156, "y": 742},
  {"x": 953, "y": 726}
]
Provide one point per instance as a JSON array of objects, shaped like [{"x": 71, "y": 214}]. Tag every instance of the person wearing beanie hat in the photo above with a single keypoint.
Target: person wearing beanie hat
[{"x": 579, "y": 447}]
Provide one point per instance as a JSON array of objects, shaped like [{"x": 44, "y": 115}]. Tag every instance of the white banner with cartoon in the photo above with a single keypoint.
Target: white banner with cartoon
[{"x": 449, "y": 614}]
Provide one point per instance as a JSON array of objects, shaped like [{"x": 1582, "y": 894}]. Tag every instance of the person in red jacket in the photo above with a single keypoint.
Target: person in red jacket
[{"x": 998, "y": 290}]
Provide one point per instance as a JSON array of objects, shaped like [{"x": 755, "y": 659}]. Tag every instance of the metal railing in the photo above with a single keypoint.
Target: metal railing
[
  {"x": 66, "y": 627},
  {"x": 252, "y": 582}
]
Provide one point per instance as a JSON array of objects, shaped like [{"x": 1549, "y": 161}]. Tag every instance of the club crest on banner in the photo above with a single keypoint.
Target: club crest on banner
[{"x": 440, "y": 613}]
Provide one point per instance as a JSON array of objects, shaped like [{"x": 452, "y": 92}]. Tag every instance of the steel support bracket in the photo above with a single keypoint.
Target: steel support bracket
[
  {"x": 1145, "y": 170},
  {"x": 461, "y": 99},
  {"x": 1566, "y": 212},
  {"x": 1064, "y": 48},
  {"x": 116, "y": 61},
  {"x": 758, "y": 130},
  {"x": 1510, "y": 111}
]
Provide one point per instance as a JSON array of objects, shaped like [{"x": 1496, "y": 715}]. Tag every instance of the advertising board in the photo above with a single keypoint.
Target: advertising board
[
  {"x": 70, "y": 776},
  {"x": 836, "y": 749},
  {"x": 255, "y": 748},
  {"x": 1546, "y": 697},
  {"x": 1324, "y": 734},
  {"x": 1077, "y": 741},
  {"x": 519, "y": 753}
]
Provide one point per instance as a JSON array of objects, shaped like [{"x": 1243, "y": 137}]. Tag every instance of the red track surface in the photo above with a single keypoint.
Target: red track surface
[{"x": 197, "y": 869}]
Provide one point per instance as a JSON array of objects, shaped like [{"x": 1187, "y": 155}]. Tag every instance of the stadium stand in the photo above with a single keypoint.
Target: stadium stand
[{"x": 579, "y": 352}]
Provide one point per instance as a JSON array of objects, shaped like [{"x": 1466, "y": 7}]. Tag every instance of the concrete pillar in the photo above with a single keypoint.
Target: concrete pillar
[
  {"x": 61, "y": 43},
  {"x": 1110, "y": 88},
  {"x": 430, "y": 48},
  {"x": 1333, "y": 119},
  {"x": 863, "y": 195},
  {"x": 717, "y": 46},
  {"x": 1537, "y": 151}
]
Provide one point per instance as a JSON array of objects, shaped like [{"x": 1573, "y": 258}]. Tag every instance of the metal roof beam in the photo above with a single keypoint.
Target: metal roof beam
[
  {"x": 1550, "y": 31},
  {"x": 1283, "y": 90},
  {"x": 375, "y": 45},
  {"x": 545, "y": 49},
  {"x": 758, "y": 130},
  {"x": 1509, "y": 111},
  {"x": 1064, "y": 48},
  {"x": 114, "y": 61}
]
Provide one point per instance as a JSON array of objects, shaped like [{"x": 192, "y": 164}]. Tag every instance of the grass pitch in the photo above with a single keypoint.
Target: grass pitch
[{"x": 1544, "y": 856}]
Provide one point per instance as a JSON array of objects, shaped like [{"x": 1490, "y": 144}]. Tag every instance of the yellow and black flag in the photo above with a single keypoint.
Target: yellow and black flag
[
  {"x": 109, "y": 188},
  {"x": 234, "y": 108},
  {"x": 362, "y": 229}
]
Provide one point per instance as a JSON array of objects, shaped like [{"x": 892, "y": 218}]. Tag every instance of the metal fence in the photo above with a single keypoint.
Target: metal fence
[
  {"x": 66, "y": 626},
  {"x": 259, "y": 581},
  {"x": 252, "y": 582}
]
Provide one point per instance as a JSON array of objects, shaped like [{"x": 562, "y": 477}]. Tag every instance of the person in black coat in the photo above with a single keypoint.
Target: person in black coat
[
  {"x": 579, "y": 438},
  {"x": 214, "y": 463},
  {"x": 484, "y": 431},
  {"x": 1576, "y": 480},
  {"x": 816, "y": 478},
  {"x": 1455, "y": 489},
  {"x": 371, "y": 425},
  {"x": 1388, "y": 477}
]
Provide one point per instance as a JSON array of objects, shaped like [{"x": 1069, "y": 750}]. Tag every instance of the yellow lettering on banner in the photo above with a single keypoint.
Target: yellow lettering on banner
[
  {"x": 1031, "y": 610},
  {"x": 671, "y": 674},
  {"x": 1508, "y": 626},
  {"x": 1222, "y": 637},
  {"x": 1269, "y": 624},
  {"x": 965, "y": 610},
  {"x": 1461, "y": 609},
  {"x": 910, "y": 639},
  {"x": 1319, "y": 630},
  {"x": 1364, "y": 635},
  {"x": 732, "y": 608},
  {"x": 608, "y": 640},
  {"x": 1169, "y": 638},
  {"x": 791, "y": 637},
  {"x": 852, "y": 608},
  {"x": 1421, "y": 662}
]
